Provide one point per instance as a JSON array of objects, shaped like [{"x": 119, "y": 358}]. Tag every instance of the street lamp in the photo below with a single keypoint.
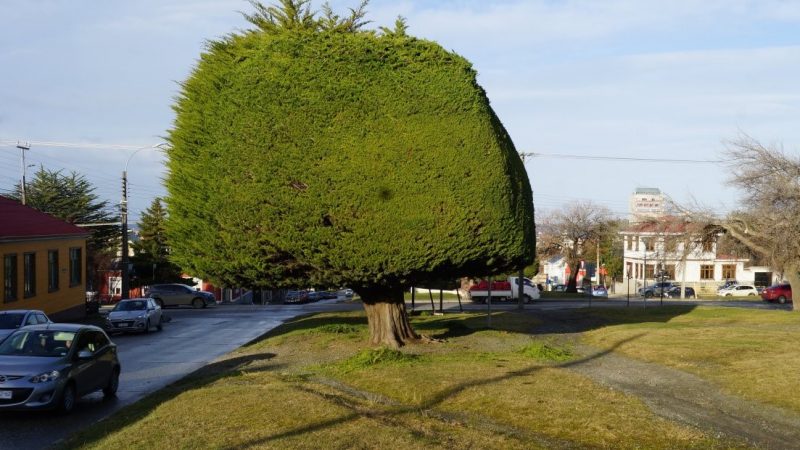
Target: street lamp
[{"x": 125, "y": 288}]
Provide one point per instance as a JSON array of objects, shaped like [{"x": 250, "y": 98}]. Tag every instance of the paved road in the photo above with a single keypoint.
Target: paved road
[
  {"x": 149, "y": 362},
  {"x": 196, "y": 337}
]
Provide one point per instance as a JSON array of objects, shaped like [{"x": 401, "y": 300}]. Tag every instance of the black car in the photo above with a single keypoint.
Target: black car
[
  {"x": 51, "y": 366},
  {"x": 675, "y": 292}
]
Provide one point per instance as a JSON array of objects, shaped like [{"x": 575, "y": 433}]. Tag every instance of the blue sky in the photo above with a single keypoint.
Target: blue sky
[{"x": 628, "y": 78}]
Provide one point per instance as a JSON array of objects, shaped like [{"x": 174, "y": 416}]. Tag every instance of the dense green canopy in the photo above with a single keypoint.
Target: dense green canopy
[{"x": 341, "y": 158}]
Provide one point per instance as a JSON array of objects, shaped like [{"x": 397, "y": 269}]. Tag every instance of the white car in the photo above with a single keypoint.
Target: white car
[{"x": 739, "y": 290}]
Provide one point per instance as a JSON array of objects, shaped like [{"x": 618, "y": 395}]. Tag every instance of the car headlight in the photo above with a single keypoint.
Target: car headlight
[
  {"x": 45, "y": 377},
  {"x": 140, "y": 316}
]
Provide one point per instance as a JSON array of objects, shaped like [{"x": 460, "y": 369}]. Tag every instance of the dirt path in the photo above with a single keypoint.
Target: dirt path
[{"x": 678, "y": 395}]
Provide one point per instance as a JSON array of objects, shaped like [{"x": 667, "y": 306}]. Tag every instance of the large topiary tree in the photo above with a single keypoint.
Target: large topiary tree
[{"x": 310, "y": 152}]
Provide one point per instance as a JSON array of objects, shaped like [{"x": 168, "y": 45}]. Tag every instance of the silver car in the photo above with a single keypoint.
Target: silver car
[
  {"x": 175, "y": 294},
  {"x": 14, "y": 319},
  {"x": 135, "y": 314},
  {"x": 51, "y": 366}
]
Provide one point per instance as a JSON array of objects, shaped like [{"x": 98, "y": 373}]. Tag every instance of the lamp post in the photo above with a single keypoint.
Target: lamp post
[
  {"x": 23, "y": 148},
  {"x": 125, "y": 274}
]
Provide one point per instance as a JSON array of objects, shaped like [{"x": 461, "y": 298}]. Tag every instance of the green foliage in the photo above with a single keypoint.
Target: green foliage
[
  {"x": 375, "y": 356},
  {"x": 546, "y": 352},
  {"x": 305, "y": 155},
  {"x": 71, "y": 198},
  {"x": 151, "y": 251}
]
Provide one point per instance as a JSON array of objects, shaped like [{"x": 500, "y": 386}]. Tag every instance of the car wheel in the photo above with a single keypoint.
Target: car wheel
[
  {"x": 727, "y": 295},
  {"x": 67, "y": 402},
  {"x": 648, "y": 294},
  {"x": 751, "y": 295},
  {"x": 527, "y": 298},
  {"x": 147, "y": 326},
  {"x": 113, "y": 383},
  {"x": 782, "y": 299},
  {"x": 159, "y": 327},
  {"x": 197, "y": 303}
]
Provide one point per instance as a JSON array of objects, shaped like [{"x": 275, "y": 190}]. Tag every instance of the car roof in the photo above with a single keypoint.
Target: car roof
[
  {"x": 63, "y": 327},
  {"x": 20, "y": 311},
  {"x": 134, "y": 299}
]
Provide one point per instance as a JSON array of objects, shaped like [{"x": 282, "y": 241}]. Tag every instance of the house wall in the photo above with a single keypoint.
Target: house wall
[{"x": 64, "y": 303}]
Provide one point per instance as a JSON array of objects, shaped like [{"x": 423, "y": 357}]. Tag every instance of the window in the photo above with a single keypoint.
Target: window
[
  {"x": 75, "y": 262},
  {"x": 636, "y": 243},
  {"x": 669, "y": 270},
  {"x": 10, "y": 277},
  {"x": 52, "y": 270},
  {"x": 649, "y": 244},
  {"x": 649, "y": 271},
  {"x": 629, "y": 242},
  {"x": 29, "y": 274},
  {"x": 671, "y": 245},
  {"x": 628, "y": 269},
  {"x": 707, "y": 272},
  {"x": 708, "y": 245},
  {"x": 729, "y": 271}
]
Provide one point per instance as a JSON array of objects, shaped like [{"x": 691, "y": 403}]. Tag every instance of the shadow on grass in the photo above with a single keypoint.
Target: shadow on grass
[
  {"x": 441, "y": 327},
  {"x": 204, "y": 376},
  {"x": 343, "y": 321},
  {"x": 435, "y": 401}
]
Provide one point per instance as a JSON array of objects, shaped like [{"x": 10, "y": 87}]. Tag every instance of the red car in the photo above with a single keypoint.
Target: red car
[{"x": 781, "y": 293}]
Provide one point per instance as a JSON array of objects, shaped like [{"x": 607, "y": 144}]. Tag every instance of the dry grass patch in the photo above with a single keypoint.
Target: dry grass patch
[
  {"x": 748, "y": 352},
  {"x": 312, "y": 384}
]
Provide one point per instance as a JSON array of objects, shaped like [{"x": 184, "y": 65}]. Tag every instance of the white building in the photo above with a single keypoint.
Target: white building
[
  {"x": 646, "y": 203},
  {"x": 655, "y": 249}
]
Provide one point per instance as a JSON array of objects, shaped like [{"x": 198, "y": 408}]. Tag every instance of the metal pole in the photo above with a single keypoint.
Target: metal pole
[
  {"x": 22, "y": 148},
  {"x": 489, "y": 305},
  {"x": 124, "y": 216}
]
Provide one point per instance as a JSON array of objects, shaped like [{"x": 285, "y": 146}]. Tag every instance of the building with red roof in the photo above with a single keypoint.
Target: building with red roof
[{"x": 44, "y": 262}]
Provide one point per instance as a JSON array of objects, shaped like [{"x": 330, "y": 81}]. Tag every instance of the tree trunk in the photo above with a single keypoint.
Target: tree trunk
[
  {"x": 572, "y": 283},
  {"x": 790, "y": 272},
  {"x": 387, "y": 317}
]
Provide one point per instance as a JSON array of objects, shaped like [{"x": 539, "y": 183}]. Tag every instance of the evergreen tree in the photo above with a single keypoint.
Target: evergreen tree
[
  {"x": 308, "y": 153},
  {"x": 151, "y": 252}
]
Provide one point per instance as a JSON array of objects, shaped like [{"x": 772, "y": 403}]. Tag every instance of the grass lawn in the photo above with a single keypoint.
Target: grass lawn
[
  {"x": 749, "y": 353},
  {"x": 311, "y": 383}
]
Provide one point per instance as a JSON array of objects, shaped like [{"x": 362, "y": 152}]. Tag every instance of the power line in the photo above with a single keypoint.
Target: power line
[{"x": 624, "y": 158}]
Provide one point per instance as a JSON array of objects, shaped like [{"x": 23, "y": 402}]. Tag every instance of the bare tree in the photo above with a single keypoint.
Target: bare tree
[
  {"x": 573, "y": 232},
  {"x": 769, "y": 220}
]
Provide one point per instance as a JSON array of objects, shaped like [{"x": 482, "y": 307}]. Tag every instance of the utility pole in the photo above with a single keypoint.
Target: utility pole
[
  {"x": 521, "y": 278},
  {"x": 22, "y": 148},
  {"x": 125, "y": 291}
]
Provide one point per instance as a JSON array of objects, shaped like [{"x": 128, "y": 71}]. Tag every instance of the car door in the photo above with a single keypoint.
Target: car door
[
  {"x": 85, "y": 372},
  {"x": 105, "y": 354},
  {"x": 154, "y": 312},
  {"x": 185, "y": 294}
]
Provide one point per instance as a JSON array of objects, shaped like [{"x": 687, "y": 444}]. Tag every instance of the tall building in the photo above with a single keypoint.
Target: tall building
[{"x": 646, "y": 203}]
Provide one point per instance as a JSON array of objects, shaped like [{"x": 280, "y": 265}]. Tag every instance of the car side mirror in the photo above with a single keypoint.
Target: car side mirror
[{"x": 85, "y": 354}]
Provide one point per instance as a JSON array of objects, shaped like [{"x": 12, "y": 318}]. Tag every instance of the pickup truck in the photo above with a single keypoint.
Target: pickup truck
[{"x": 504, "y": 290}]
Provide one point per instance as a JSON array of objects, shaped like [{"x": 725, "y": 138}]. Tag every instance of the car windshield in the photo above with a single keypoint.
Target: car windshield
[
  {"x": 137, "y": 305},
  {"x": 43, "y": 343},
  {"x": 11, "y": 321}
]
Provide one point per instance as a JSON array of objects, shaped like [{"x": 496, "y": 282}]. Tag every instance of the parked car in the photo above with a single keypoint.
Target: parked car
[
  {"x": 14, "y": 319},
  {"x": 738, "y": 290},
  {"x": 560, "y": 288},
  {"x": 347, "y": 292},
  {"x": 599, "y": 291},
  {"x": 296, "y": 297},
  {"x": 50, "y": 366},
  {"x": 780, "y": 293},
  {"x": 656, "y": 289},
  {"x": 675, "y": 292},
  {"x": 175, "y": 294},
  {"x": 135, "y": 314}
]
